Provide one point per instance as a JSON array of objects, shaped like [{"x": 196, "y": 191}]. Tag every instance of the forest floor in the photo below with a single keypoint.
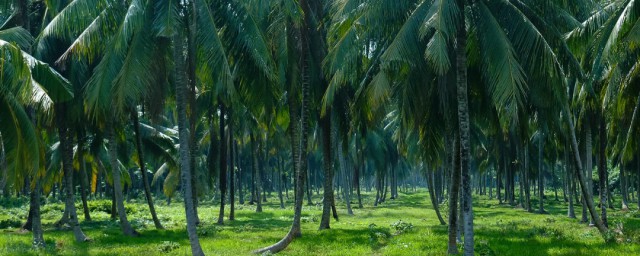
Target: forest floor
[{"x": 405, "y": 226}]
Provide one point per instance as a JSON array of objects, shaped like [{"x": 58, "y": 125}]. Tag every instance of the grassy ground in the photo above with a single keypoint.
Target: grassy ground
[{"x": 406, "y": 226}]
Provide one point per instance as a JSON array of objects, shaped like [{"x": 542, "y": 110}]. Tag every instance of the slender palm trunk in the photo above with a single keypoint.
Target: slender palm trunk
[
  {"x": 232, "y": 151},
  {"x": 222, "y": 170},
  {"x": 588, "y": 154},
  {"x": 603, "y": 173},
  {"x": 356, "y": 171},
  {"x": 4, "y": 170},
  {"x": 67, "y": 166},
  {"x": 117, "y": 182},
  {"x": 585, "y": 193},
  {"x": 325, "y": 122},
  {"x": 432, "y": 196},
  {"x": 84, "y": 182},
  {"x": 463, "y": 122},
  {"x": 36, "y": 229},
  {"x": 183, "y": 136},
  {"x": 298, "y": 145},
  {"x": 143, "y": 170},
  {"x": 256, "y": 171},
  {"x": 540, "y": 174},
  {"x": 453, "y": 198}
]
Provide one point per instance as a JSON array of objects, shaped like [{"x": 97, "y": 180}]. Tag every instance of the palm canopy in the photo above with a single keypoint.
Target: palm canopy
[{"x": 25, "y": 82}]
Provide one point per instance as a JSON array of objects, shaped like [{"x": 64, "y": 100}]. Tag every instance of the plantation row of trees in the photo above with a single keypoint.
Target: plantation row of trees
[{"x": 233, "y": 100}]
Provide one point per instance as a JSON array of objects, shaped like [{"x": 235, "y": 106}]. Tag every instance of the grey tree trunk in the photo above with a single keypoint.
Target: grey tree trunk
[
  {"x": 36, "y": 229},
  {"x": 84, "y": 183},
  {"x": 603, "y": 173},
  {"x": 327, "y": 203},
  {"x": 232, "y": 152},
  {"x": 465, "y": 140},
  {"x": 588, "y": 154},
  {"x": 67, "y": 166},
  {"x": 143, "y": 170},
  {"x": 589, "y": 200},
  {"x": 298, "y": 146},
  {"x": 541, "y": 173},
  {"x": 183, "y": 137},
  {"x": 222, "y": 170},
  {"x": 346, "y": 190},
  {"x": 432, "y": 196},
  {"x": 117, "y": 182},
  {"x": 257, "y": 178},
  {"x": 453, "y": 198}
]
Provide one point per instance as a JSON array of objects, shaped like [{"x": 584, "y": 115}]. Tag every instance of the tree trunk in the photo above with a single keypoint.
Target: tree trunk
[
  {"x": 84, "y": 182},
  {"x": 117, "y": 183},
  {"x": 38, "y": 233},
  {"x": 325, "y": 122},
  {"x": 257, "y": 185},
  {"x": 67, "y": 166},
  {"x": 143, "y": 170},
  {"x": 232, "y": 170},
  {"x": 222, "y": 170},
  {"x": 356, "y": 171},
  {"x": 183, "y": 132},
  {"x": 588, "y": 155},
  {"x": 453, "y": 198},
  {"x": 541, "y": 173},
  {"x": 578, "y": 162},
  {"x": 465, "y": 140},
  {"x": 300, "y": 160},
  {"x": 603, "y": 173},
  {"x": 434, "y": 200}
]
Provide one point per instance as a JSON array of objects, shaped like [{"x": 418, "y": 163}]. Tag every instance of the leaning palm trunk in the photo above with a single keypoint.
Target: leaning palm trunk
[
  {"x": 143, "y": 170},
  {"x": 117, "y": 185},
  {"x": 540, "y": 174},
  {"x": 183, "y": 134},
  {"x": 432, "y": 196},
  {"x": 67, "y": 162},
  {"x": 463, "y": 122},
  {"x": 583, "y": 185}
]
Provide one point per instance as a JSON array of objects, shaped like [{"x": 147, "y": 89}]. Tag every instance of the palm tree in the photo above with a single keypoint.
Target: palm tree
[{"x": 27, "y": 81}]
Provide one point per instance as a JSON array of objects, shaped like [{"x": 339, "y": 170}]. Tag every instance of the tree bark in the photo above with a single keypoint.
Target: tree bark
[
  {"x": 143, "y": 170},
  {"x": 578, "y": 162},
  {"x": 183, "y": 134},
  {"x": 38, "y": 232},
  {"x": 232, "y": 152},
  {"x": 325, "y": 123},
  {"x": 541, "y": 173},
  {"x": 603, "y": 173},
  {"x": 222, "y": 171},
  {"x": 67, "y": 166},
  {"x": 465, "y": 140},
  {"x": 84, "y": 182},
  {"x": 453, "y": 198},
  {"x": 434, "y": 200},
  {"x": 257, "y": 178},
  {"x": 117, "y": 183}
]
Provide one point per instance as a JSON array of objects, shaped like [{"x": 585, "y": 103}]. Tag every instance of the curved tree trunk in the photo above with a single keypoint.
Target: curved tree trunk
[
  {"x": 578, "y": 162},
  {"x": 588, "y": 155},
  {"x": 143, "y": 170},
  {"x": 183, "y": 137},
  {"x": 298, "y": 144},
  {"x": 434, "y": 201},
  {"x": 465, "y": 140}
]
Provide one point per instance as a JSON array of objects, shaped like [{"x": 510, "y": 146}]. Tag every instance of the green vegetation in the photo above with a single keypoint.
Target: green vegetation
[{"x": 501, "y": 230}]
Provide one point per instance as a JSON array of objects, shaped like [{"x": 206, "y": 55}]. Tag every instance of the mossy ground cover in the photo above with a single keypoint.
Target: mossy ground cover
[{"x": 405, "y": 226}]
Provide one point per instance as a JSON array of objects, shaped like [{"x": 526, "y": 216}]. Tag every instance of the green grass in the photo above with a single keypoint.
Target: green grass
[{"x": 500, "y": 230}]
